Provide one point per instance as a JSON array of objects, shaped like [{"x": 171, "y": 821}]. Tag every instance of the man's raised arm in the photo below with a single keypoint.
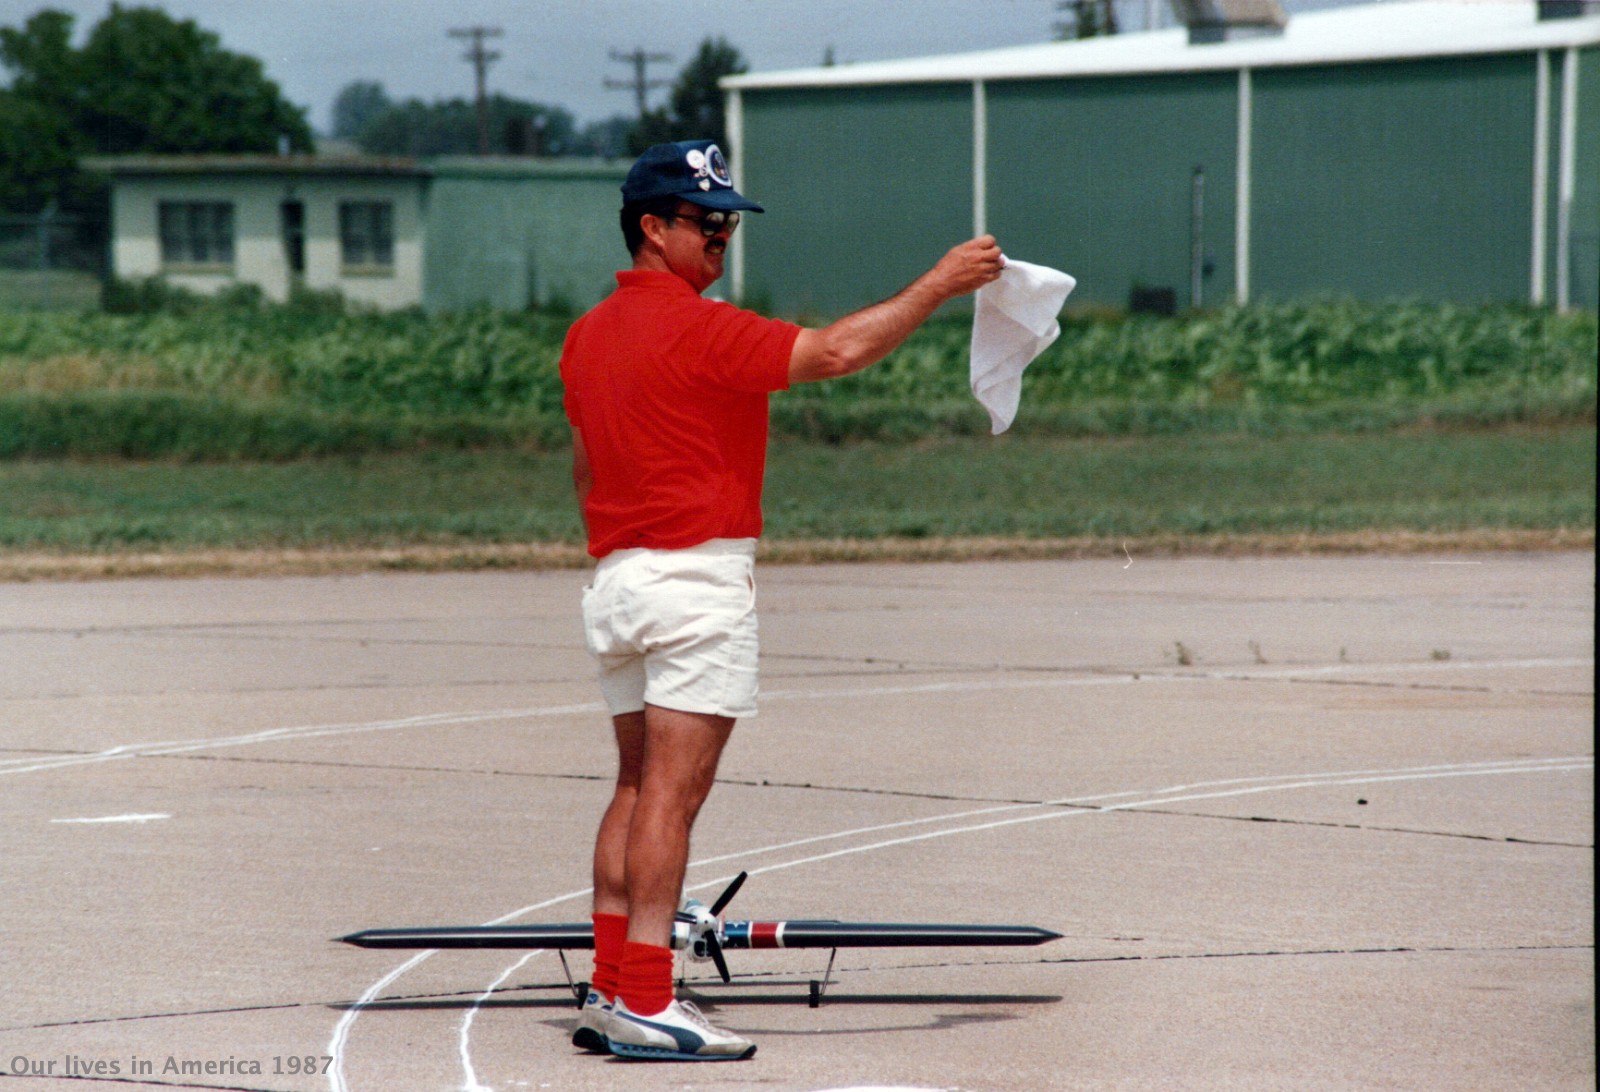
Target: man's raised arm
[{"x": 868, "y": 335}]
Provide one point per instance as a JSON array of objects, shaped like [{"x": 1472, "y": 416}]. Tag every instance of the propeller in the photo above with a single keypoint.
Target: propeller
[
  {"x": 714, "y": 946},
  {"x": 728, "y": 893}
]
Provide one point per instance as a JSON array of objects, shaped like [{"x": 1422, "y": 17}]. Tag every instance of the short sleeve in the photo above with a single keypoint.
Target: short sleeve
[
  {"x": 569, "y": 401},
  {"x": 744, "y": 351}
]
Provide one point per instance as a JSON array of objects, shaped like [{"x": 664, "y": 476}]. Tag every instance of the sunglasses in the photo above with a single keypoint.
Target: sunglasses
[{"x": 712, "y": 223}]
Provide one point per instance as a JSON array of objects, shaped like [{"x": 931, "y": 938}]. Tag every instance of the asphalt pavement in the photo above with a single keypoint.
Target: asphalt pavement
[{"x": 1302, "y": 823}]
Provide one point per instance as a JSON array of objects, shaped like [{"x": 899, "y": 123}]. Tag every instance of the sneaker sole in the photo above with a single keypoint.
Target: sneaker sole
[
  {"x": 590, "y": 1040},
  {"x": 662, "y": 1054}
]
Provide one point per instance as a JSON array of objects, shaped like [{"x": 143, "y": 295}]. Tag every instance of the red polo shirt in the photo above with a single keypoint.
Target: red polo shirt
[{"x": 670, "y": 393}]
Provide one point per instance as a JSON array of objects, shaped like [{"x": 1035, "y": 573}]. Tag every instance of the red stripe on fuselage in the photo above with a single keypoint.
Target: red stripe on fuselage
[{"x": 766, "y": 934}]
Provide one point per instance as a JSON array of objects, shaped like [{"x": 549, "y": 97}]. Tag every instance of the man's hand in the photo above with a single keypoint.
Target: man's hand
[
  {"x": 865, "y": 337},
  {"x": 968, "y": 267}
]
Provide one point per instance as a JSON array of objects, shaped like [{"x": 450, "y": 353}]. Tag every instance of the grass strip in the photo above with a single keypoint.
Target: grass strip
[
  {"x": 24, "y": 566},
  {"x": 499, "y": 507}
]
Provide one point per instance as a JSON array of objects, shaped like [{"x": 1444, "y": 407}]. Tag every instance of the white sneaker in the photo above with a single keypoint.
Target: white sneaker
[
  {"x": 593, "y": 1021},
  {"x": 679, "y": 1033}
]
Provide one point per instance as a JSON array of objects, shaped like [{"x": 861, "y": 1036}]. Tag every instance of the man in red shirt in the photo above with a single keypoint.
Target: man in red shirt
[{"x": 666, "y": 393}]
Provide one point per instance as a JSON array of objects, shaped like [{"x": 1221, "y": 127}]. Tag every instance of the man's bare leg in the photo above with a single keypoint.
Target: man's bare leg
[
  {"x": 681, "y": 751},
  {"x": 611, "y": 844},
  {"x": 679, "y": 765}
]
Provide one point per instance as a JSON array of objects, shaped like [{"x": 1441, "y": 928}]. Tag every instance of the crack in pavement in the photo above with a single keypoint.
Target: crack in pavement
[
  {"x": 137, "y": 1082},
  {"x": 206, "y": 627},
  {"x": 278, "y": 1007},
  {"x": 389, "y": 766},
  {"x": 421, "y": 642},
  {"x": 765, "y": 783},
  {"x": 412, "y": 684},
  {"x": 876, "y": 667},
  {"x": 606, "y": 778},
  {"x": 1380, "y": 685},
  {"x": 1363, "y": 826}
]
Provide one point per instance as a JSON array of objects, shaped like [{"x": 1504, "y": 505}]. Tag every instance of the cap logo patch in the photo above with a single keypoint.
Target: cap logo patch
[
  {"x": 699, "y": 167},
  {"x": 718, "y": 166}
]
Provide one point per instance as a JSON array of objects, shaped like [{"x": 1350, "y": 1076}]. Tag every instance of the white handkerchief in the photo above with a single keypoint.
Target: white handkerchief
[{"x": 1014, "y": 322}]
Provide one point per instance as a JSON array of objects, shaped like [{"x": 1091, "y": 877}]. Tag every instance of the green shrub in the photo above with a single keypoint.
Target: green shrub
[
  {"x": 147, "y": 296},
  {"x": 492, "y": 377}
]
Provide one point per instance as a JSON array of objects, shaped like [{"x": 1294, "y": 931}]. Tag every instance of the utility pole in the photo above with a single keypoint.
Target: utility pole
[
  {"x": 481, "y": 58},
  {"x": 640, "y": 85}
]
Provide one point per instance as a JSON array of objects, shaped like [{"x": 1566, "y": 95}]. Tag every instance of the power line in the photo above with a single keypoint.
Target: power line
[
  {"x": 640, "y": 84},
  {"x": 481, "y": 58}
]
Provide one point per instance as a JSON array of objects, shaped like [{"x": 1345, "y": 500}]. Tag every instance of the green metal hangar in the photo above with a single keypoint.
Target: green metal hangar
[{"x": 1423, "y": 149}]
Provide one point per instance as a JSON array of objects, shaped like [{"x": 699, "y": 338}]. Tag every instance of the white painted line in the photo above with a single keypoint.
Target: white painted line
[
  {"x": 1280, "y": 783},
  {"x": 276, "y": 735},
  {"x": 341, "y": 1030},
  {"x": 117, "y": 819},
  {"x": 1508, "y": 766},
  {"x": 465, "y": 1036},
  {"x": 1579, "y": 765},
  {"x": 1517, "y": 763}
]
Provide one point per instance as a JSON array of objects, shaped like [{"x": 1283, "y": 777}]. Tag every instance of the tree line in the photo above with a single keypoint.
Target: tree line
[
  {"x": 143, "y": 82},
  {"x": 364, "y": 114}
]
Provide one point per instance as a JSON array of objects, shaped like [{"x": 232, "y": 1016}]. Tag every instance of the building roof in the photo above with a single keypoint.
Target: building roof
[
  {"x": 348, "y": 166},
  {"x": 1392, "y": 30},
  {"x": 528, "y": 167},
  {"x": 357, "y": 166}
]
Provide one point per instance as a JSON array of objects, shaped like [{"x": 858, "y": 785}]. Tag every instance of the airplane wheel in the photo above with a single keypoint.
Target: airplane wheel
[{"x": 816, "y": 994}]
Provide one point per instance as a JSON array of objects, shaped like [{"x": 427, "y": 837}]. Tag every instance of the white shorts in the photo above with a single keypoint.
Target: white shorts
[{"x": 676, "y": 628}]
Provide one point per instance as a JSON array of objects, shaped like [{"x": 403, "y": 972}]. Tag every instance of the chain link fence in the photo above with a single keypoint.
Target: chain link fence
[{"x": 50, "y": 260}]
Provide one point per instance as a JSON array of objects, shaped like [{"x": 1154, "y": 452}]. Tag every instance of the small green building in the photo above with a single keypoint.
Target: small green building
[
  {"x": 1426, "y": 149},
  {"x": 510, "y": 233}
]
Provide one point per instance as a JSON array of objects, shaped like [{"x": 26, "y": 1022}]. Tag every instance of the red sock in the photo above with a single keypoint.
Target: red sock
[
  {"x": 645, "y": 981},
  {"x": 610, "y": 933}
]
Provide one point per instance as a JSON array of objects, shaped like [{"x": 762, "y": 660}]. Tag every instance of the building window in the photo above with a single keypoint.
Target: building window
[
  {"x": 196, "y": 232},
  {"x": 366, "y": 235}
]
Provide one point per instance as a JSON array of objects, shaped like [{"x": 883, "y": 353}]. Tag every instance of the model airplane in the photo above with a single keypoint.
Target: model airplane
[{"x": 701, "y": 931}]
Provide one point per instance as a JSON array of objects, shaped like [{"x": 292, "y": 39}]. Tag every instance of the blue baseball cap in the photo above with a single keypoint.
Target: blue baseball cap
[{"x": 691, "y": 170}]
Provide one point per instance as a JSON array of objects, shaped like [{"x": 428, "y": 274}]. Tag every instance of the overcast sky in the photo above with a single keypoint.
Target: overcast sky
[{"x": 558, "y": 51}]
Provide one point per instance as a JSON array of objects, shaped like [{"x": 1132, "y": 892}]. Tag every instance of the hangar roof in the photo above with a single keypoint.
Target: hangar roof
[{"x": 1394, "y": 30}]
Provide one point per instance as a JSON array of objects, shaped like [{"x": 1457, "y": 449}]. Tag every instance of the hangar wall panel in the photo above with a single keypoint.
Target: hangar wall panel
[
  {"x": 1551, "y": 165},
  {"x": 864, "y": 189},
  {"x": 1396, "y": 180},
  {"x": 1095, "y": 176},
  {"x": 516, "y": 235},
  {"x": 1584, "y": 264}
]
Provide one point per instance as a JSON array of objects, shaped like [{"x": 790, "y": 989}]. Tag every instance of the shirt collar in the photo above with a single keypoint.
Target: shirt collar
[{"x": 657, "y": 279}]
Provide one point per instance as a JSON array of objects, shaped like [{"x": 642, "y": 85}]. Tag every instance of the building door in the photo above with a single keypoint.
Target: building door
[{"x": 292, "y": 221}]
